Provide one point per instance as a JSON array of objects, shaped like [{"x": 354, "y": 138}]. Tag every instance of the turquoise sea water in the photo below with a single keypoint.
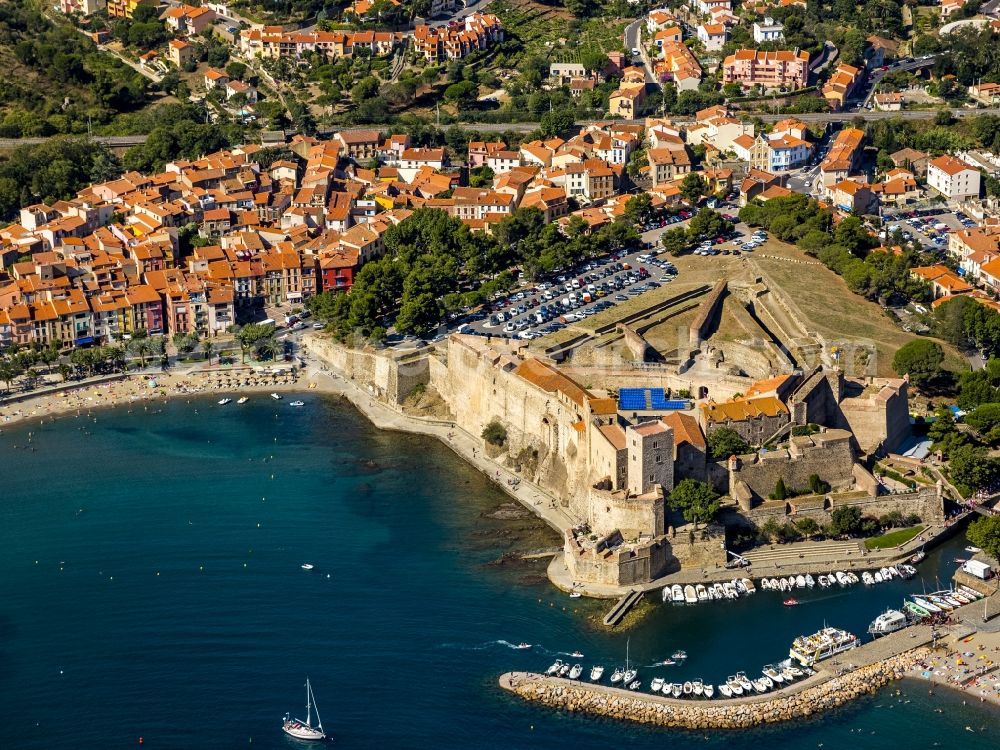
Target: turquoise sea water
[{"x": 150, "y": 586}]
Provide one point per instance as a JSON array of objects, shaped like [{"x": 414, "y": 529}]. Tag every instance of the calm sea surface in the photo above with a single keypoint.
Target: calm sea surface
[{"x": 150, "y": 586}]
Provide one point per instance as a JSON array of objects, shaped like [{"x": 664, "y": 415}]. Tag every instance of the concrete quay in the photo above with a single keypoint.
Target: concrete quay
[{"x": 838, "y": 681}]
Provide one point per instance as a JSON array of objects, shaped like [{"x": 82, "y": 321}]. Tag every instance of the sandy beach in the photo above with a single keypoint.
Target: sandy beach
[
  {"x": 147, "y": 389},
  {"x": 970, "y": 664}
]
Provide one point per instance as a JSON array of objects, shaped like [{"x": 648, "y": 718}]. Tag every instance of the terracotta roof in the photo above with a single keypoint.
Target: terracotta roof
[
  {"x": 739, "y": 410},
  {"x": 686, "y": 429},
  {"x": 549, "y": 379}
]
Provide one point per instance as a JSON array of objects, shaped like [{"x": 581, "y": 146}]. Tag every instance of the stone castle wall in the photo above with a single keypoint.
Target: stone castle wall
[
  {"x": 386, "y": 374},
  {"x": 926, "y": 503},
  {"x": 878, "y": 420},
  {"x": 831, "y": 459},
  {"x": 633, "y": 515}
]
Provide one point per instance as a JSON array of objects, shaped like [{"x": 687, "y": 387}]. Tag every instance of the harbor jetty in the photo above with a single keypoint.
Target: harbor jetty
[
  {"x": 838, "y": 681},
  {"x": 615, "y": 703}
]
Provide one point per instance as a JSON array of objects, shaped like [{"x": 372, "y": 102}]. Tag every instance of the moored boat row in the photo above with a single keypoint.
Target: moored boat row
[{"x": 703, "y": 592}]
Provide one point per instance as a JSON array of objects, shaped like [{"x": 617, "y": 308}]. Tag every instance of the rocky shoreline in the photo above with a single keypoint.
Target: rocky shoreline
[{"x": 596, "y": 700}]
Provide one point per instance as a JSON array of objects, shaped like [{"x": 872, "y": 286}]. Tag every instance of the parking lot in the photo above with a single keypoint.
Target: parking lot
[{"x": 928, "y": 226}]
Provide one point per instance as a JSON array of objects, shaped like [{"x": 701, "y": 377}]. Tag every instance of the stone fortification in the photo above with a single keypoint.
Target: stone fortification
[
  {"x": 612, "y": 560},
  {"x": 879, "y": 417},
  {"x": 794, "y": 704},
  {"x": 387, "y": 374},
  {"x": 702, "y": 325},
  {"x": 827, "y": 454}
]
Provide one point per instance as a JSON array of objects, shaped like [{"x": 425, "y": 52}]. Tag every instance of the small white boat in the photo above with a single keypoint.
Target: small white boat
[
  {"x": 564, "y": 670},
  {"x": 730, "y": 590},
  {"x": 224, "y": 401},
  {"x": 629, "y": 675},
  {"x": 740, "y": 586},
  {"x": 596, "y": 673},
  {"x": 616, "y": 676},
  {"x": 656, "y": 685},
  {"x": 767, "y": 681},
  {"x": 759, "y": 685},
  {"x": 932, "y": 608},
  {"x": 810, "y": 581},
  {"x": 720, "y": 593},
  {"x": 575, "y": 595},
  {"x": 243, "y": 399},
  {"x": 710, "y": 591},
  {"x": 773, "y": 674},
  {"x": 709, "y": 690},
  {"x": 748, "y": 586},
  {"x": 867, "y": 579},
  {"x": 877, "y": 577},
  {"x": 734, "y": 686},
  {"x": 725, "y": 691},
  {"x": 677, "y": 593},
  {"x": 522, "y": 645},
  {"x": 679, "y": 655},
  {"x": 575, "y": 672},
  {"x": 297, "y": 403},
  {"x": 690, "y": 595},
  {"x": 973, "y": 550},
  {"x": 304, "y": 730},
  {"x": 634, "y": 685},
  {"x": 765, "y": 584},
  {"x": 701, "y": 593},
  {"x": 824, "y": 582},
  {"x": 794, "y": 671},
  {"x": 783, "y": 584},
  {"x": 667, "y": 688},
  {"x": 676, "y": 689},
  {"x": 842, "y": 579},
  {"x": 744, "y": 681},
  {"x": 307, "y": 566},
  {"x": 800, "y": 581},
  {"x": 576, "y": 655},
  {"x": 687, "y": 688},
  {"x": 852, "y": 578},
  {"x": 276, "y": 396},
  {"x": 554, "y": 668}
]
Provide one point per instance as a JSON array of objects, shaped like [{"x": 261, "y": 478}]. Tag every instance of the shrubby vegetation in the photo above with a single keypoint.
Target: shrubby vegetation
[{"x": 434, "y": 265}]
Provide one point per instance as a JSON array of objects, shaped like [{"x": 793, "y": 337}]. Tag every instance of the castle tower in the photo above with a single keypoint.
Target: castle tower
[{"x": 650, "y": 449}]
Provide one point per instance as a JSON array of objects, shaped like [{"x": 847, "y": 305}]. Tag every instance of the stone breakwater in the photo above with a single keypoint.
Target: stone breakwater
[{"x": 598, "y": 700}]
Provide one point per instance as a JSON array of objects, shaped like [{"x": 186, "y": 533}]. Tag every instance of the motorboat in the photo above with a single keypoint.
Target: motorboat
[
  {"x": 304, "y": 730},
  {"x": 767, "y": 681},
  {"x": 783, "y": 584},
  {"x": 917, "y": 557},
  {"x": 842, "y": 579},
  {"x": 740, "y": 586},
  {"x": 554, "y": 668},
  {"x": 576, "y": 655},
  {"x": 634, "y": 685},
  {"x": 970, "y": 592},
  {"x": 276, "y": 396},
  {"x": 677, "y": 592},
  {"x": 794, "y": 671},
  {"x": 725, "y": 691},
  {"x": 629, "y": 675},
  {"x": 720, "y": 593},
  {"x": 522, "y": 645},
  {"x": 878, "y": 578},
  {"x": 596, "y": 673},
  {"x": 824, "y": 582},
  {"x": 906, "y": 571},
  {"x": 734, "y": 686},
  {"x": 656, "y": 685},
  {"x": 224, "y": 401},
  {"x": 243, "y": 399},
  {"x": 800, "y": 581},
  {"x": 307, "y": 566},
  {"x": 973, "y": 550},
  {"x": 575, "y": 672},
  {"x": 765, "y": 584},
  {"x": 887, "y": 573},
  {"x": 676, "y": 690},
  {"x": 744, "y": 681},
  {"x": 960, "y": 597},
  {"x": 297, "y": 403},
  {"x": 759, "y": 685},
  {"x": 709, "y": 690},
  {"x": 730, "y": 590},
  {"x": 616, "y": 676},
  {"x": 867, "y": 579},
  {"x": 564, "y": 670},
  {"x": 690, "y": 595},
  {"x": 701, "y": 592},
  {"x": 888, "y": 622},
  {"x": 927, "y": 605},
  {"x": 790, "y": 602},
  {"x": 687, "y": 688},
  {"x": 748, "y": 586},
  {"x": 666, "y": 593},
  {"x": 575, "y": 595},
  {"x": 668, "y": 689},
  {"x": 697, "y": 687},
  {"x": 710, "y": 592},
  {"x": 773, "y": 674},
  {"x": 852, "y": 578},
  {"x": 679, "y": 655},
  {"x": 810, "y": 581}
]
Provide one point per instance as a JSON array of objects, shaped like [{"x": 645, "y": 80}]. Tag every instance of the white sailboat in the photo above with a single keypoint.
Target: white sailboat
[{"x": 305, "y": 730}]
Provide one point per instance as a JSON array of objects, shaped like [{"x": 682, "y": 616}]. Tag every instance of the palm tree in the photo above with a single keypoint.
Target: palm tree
[
  {"x": 142, "y": 348},
  {"x": 8, "y": 372},
  {"x": 64, "y": 371},
  {"x": 208, "y": 347}
]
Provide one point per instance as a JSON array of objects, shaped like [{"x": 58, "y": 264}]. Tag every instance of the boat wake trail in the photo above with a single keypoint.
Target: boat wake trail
[{"x": 493, "y": 644}]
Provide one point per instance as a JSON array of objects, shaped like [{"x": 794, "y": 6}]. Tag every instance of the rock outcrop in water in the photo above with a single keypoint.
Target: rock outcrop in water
[{"x": 786, "y": 705}]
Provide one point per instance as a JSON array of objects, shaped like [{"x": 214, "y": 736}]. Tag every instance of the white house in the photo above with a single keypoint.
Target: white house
[
  {"x": 953, "y": 178},
  {"x": 712, "y": 35},
  {"x": 768, "y": 30},
  {"x": 786, "y": 152}
]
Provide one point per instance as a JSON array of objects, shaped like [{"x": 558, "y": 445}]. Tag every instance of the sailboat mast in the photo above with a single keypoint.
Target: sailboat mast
[
  {"x": 319, "y": 721},
  {"x": 308, "y": 703}
]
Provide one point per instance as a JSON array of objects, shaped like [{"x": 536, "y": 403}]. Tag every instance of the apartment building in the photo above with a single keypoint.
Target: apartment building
[
  {"x": 953, "y": 178},
  {"x": 780, "y": 69}
]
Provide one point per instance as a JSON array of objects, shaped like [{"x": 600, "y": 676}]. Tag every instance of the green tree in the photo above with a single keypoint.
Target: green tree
[
  {"x": 495, "y": 434},
  {"x": 972, "y": 469},
  {"x": 846, "y": 520},
  {"x": 920, "y": 359},
  {"x": 697, "y": 501},
  {"x": 985, "y": 534},
  {"x": 725, "y": 442},
  {"x": 254, "y": 336},
  {"x": 985, "y": 420},
  {"x": 780, "y": 491},
  {"x": 807, "y": 526},
  {"x": 639, "y": 208},
  {"x": 693, "y": 187},
  {"x": 207, "y": 348},
  {"x": 674, "y": 241}
]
